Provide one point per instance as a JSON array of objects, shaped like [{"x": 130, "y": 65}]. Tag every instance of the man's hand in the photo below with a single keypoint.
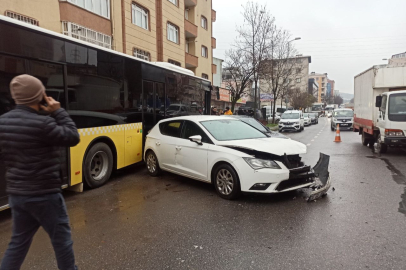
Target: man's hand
[{"x": 53, "y": 105}]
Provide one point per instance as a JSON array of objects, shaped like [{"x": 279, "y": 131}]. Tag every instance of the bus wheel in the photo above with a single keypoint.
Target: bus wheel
[{"x": 98, "y": 165}]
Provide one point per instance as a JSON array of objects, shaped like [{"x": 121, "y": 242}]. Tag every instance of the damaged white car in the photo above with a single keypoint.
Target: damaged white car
[{"x": 232, "y": 155}]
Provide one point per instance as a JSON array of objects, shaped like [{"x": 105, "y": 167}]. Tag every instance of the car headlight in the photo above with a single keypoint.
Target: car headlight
[
  {"x": 257, "y": 163},
  {"x": 334, "y": 119}
]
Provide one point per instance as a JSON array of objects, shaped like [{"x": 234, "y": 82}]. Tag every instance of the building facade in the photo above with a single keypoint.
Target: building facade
[
  {"x": 322, "y": 80},
  {"x": 313, "y": 88},
  {"x": 179, "y": 32}
]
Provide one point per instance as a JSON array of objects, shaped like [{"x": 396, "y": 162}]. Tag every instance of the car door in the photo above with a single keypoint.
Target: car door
[
  {"x": 191, "y": 158},
  {"x": 166, "y": 145}
]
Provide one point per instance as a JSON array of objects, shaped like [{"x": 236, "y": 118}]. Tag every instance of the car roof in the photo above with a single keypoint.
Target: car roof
[
  {"x": 198, "y": 118},
  {"x": 292, "y": 111}
]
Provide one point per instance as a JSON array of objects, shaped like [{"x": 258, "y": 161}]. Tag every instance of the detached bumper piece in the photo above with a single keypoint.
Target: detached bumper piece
[
  {"x": 297, "y": 177},
  {"x": 322, "y": 180}
]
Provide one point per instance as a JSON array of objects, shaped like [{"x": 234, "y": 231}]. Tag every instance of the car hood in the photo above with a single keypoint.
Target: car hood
[
  {"x": 288, "y": 120},
  {"x": 276, "y": 146}
]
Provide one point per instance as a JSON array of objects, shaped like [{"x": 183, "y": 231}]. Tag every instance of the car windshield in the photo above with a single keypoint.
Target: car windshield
[
  {"x": 397, "y": 104},
  {"x": 228, "y": 130},
  {"x": 173, "y": 108},
  {"x": 290, "y": 116},
  {"x": 344, "y": 113},
  {"x": 254, "y": 123}
]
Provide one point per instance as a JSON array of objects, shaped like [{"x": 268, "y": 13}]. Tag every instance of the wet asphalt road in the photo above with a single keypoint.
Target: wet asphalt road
[{"x": 138, "y": 222}]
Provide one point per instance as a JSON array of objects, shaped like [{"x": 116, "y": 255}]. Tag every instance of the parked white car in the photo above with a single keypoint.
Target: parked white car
[
  {"x": 232, "y": 155},
  {"x": 307, "y": 120},
  {"x": 291, "y": 120}
]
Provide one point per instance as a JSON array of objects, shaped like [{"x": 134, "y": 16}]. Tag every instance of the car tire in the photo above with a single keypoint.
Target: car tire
[
  {"x": 224, "y": 179},
  {"x": 151, "y": 161},
  {"x": 380, "y": 147},
  {"x": 98, "y": 165},
  {"x": 364, "y": 139},
  {"x": 332, "y": 129}
]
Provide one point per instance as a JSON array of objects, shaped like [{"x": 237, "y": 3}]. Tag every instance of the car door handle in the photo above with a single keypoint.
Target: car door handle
[
  {"x": 178, "y": 148},
  {"x": 158, "y": 143}
]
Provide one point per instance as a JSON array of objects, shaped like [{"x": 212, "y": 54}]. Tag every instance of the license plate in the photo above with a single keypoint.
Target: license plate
[{"x": 344, "y": 125}]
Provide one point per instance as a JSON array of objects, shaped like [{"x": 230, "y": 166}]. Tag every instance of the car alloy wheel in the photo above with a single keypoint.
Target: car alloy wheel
[
  {"x": 225, "y": 182},
  {"x": 151, "y": 163}
]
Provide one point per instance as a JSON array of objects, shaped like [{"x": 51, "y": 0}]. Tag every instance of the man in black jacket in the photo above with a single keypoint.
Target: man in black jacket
[{"x": 30, "y": 145}]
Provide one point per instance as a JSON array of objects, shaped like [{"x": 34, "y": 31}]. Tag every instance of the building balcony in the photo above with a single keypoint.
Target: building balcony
[
  {"x": 191, "y": 60},
  {"x": 213, "y": 42},
  {"x": 213, "y": 15},
  {"x": 213, "y": 69},
  {"x": 190, "y": 29},
  {"x": 190, "y": 3}
]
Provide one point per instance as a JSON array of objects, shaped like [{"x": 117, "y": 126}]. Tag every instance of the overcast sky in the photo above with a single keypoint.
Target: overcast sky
[{"x": 343, "y": 37}]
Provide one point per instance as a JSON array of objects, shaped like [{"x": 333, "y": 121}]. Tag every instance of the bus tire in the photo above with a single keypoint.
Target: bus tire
[{"x": 98, "y": 165}]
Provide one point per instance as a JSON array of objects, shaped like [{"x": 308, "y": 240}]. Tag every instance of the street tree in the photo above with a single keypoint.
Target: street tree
[
  {"x": 278, "y": 71},
  {"x": 338, "y": 100},
  {"x": 301, "y": 100},
  {"x": 254, "y": 38},
  {"x": 237, "y": 74}
]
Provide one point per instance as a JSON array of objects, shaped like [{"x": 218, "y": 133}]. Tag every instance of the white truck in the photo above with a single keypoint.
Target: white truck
[{"x": 380, "y": 107}]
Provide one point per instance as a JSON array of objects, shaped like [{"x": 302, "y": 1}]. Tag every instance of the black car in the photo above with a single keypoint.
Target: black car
[
  {"x": 314, "y": 118},
  {"x": 258, "y": 125}
]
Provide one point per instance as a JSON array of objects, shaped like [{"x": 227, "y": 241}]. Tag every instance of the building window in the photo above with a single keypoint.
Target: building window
[
  {"x": 205, "y": 52},
  {"x": 173, "y": 62},
  {"x": 141, "y": 54},
  {"x": 175, "y": 2},
  {"x": 22, "y": 18},
  {"x": 298, "y": 80},
  {"x": 298, "y": 70},
  {"x": 186, "y": 13},
  {"x": 187, "y": 46},
  {"x": 86, "y": 34},
  {"x": 139, "y": 16},
  {"x": 205, "y": 76},
  {"x": 204, "y": 22},
  {"x": 173, "y": 33},
  {"x": 100, "y": 7}
]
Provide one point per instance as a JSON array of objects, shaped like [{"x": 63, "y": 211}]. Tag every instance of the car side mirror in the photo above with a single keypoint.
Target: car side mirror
[
  {"x": 197, "y": 139},
  {"x": 378, "y": 101}
]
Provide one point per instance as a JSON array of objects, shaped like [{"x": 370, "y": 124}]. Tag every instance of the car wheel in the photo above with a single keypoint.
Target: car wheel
[
  {"x": 98, "y": 165},
  {"x": 152, "y": 164},
  {"x": 365, "y": 140},
  {"x": 380, "y": 147},
  {"x": 332, "y": 128},
  {"x": 226, "y": 182}
]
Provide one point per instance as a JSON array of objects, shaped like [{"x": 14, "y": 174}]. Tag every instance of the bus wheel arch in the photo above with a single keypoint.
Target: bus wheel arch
[{"x": 99, "y": 161}]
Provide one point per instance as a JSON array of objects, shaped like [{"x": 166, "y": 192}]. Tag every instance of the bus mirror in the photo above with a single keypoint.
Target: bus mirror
[{"x": 378, "y": 101}]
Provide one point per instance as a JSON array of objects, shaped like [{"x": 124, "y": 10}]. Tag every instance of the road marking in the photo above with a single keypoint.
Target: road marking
[
  {"x": 316, "y": 137},
  {"x": 308, "y": 144},
  {"x": 312, "y": 140}
]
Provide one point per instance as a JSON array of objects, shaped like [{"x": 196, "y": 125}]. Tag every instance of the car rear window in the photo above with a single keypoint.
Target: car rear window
[{"x": 171, "y": 128}]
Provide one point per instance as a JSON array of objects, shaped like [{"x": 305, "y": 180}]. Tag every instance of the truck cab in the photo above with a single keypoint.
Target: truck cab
[{"x": 391, "y": 120}]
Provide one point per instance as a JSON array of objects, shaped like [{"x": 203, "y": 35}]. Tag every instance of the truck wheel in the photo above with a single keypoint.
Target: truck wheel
[
  {"x": 365, "y": 140},
  {"x": 380, "y": 147},
  {"x": 98, "y": 165}
]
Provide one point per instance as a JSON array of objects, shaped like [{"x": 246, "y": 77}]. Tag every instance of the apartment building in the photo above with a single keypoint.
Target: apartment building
[
  {"x": 322, "y": 80},
  {"x": 179, "y": 32},
  {"x": 332, "y": 86}
]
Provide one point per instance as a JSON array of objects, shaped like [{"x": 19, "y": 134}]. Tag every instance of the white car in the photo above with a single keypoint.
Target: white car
[
  {"x": 307, "y": 120},
  {"x": 291, "y": 121},
  {"x": 329, "y": 114},
  {"x": 232, "y": 155}
]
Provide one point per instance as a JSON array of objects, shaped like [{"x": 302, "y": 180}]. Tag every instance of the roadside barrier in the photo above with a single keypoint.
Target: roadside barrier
[{"x": 338, "y": 137}]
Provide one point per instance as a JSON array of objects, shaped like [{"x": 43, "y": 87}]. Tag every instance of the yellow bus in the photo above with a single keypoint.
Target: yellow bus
[{"x": 113, "y": 98}]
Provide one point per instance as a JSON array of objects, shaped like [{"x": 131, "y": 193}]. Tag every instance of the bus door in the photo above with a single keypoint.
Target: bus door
[{"x": 154, "y": 104}]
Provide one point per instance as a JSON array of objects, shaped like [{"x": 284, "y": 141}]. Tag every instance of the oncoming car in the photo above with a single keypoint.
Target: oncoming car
[
  {"x": 344, "y": 118},
  {"x": 232, "y": 155}
]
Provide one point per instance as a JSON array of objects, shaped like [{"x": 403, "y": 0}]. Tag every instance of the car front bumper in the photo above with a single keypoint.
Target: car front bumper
[
  {"x": 278, "y": 180},
  {"x": 397, "y": 141},
  {"x": 343, "y": 126},
  {"x": 293, "y": 127}
]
